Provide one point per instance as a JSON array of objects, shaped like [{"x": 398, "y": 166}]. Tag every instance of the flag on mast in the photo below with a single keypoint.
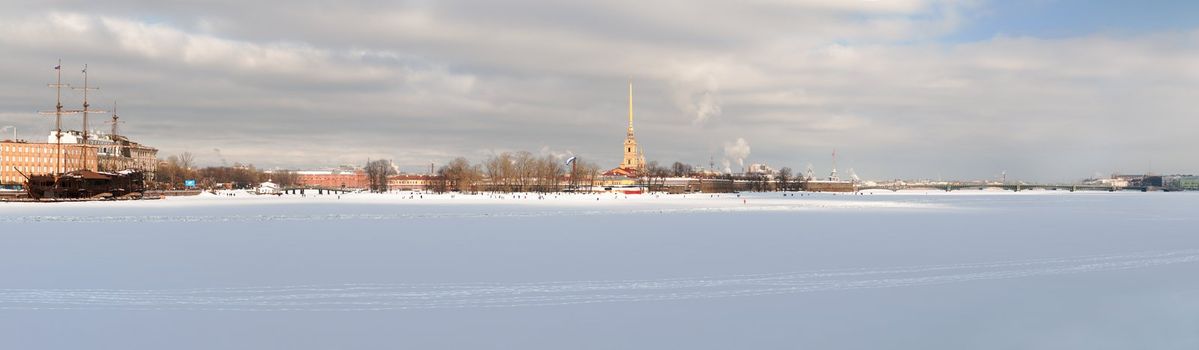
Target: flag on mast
[{"x": 58, "y": 67}]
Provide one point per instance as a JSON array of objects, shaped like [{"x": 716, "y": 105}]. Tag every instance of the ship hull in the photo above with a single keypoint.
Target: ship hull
[{"x": 86, "y": 184}]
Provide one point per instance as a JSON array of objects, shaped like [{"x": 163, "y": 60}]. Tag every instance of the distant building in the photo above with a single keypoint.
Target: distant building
[
  {"x": 1114, "y": 182},
  {"x": 336, "y": 178},
  {"x": 267, "y": 187},
  {"x": 1181, "y": 183},
  {"x": 634, "y": 160},
  {"x": 408, "y": 182},
  {"x": 1160, "y": 182},
  {"x": 759, "y": 169},
  {"x": 107, "y": 152},
  {"x": 1187, "y": 182},
  {"x": 116, "y": 153},
  {"x": 20, "y": 157},
  {"x": 1145, "y": 181}
]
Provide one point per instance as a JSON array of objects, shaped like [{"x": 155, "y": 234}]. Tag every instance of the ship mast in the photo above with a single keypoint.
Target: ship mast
[
  {"x": 86, "y": 109},
  {"x": 58, "y": 113}
]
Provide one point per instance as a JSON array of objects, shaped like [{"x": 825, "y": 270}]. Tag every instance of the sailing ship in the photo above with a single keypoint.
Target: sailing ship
[{"x": 85, "y": 182}]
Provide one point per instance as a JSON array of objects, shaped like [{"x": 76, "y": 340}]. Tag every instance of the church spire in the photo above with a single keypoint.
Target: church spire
[
  {"x": 634, "y": 160},
  {"x": 630, "y": 104}
]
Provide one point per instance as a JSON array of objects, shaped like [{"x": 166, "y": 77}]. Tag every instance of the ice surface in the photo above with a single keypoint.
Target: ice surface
[{"x": 918, "y": 270}]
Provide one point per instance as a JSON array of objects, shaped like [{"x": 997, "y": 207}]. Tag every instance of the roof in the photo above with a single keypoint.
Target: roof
[
  {"x": 89, "y": 175},
  {"x": 621, "y": 172}
]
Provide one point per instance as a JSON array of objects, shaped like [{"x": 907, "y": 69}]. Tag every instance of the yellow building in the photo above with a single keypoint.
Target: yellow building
[
  {"x": 19, "y": 159},
  {"x": 109, "y": 153}
]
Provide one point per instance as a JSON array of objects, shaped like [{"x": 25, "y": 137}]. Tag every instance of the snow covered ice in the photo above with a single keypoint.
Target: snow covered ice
[{"x": 910, "y": 270}]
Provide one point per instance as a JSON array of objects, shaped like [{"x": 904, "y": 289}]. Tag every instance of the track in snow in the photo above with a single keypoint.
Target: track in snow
[{"x": 410, "y": 296}]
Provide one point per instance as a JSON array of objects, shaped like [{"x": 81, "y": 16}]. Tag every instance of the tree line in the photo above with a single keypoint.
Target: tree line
[
  {"x": 504, "y": 172},
  {"x": 515, "y": 172},
  {"x": 172, "y": 172}
]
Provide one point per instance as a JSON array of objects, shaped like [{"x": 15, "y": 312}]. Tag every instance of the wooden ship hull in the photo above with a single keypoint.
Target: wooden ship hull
[{"x": 87, "y": 184}]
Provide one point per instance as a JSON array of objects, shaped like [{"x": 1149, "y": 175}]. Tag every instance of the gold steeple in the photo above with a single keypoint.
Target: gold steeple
[
  {"x": 630, "y": 104},
  {"x": 633, "y": 158}
]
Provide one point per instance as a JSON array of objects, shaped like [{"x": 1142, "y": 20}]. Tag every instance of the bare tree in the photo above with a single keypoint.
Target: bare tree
[
  {"x": 784, "y": 179},
  {"x": 187, "y": 160},
  {"x": 377, "y": 172},
  {"x": 460, "y": 175},
  {"x": 497, "y": 170},
  {"x": 679, "y": 169},
  {"x": 285, "y": 178},
  {"x": 655, "y": 175},
  {"x": 523, "y": 170}
]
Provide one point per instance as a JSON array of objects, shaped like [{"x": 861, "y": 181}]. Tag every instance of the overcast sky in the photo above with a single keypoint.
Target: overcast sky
[{"x": 1042, "y": 89}]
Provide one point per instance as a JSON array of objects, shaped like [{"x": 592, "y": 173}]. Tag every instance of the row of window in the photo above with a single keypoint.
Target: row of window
[
  {"x": 47, "y": 154},
  {"x": 31, "y": 170},
  {"x": 42, "y": 150},
  {"x": 7, "y": 159}
]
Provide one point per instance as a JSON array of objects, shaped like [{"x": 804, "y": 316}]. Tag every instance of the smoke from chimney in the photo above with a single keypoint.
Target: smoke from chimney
[{"x": 738, "y": 150}]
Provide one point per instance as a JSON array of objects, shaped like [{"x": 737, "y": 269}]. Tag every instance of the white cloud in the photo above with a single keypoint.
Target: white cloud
[{"x": 426, "y": 79}]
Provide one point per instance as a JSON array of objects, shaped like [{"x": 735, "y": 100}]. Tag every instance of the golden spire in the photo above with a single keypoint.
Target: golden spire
[{"x": 630, "y": 104}]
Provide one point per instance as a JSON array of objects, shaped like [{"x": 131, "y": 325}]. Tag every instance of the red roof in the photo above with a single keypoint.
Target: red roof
[{"x": 621, "y": 172}]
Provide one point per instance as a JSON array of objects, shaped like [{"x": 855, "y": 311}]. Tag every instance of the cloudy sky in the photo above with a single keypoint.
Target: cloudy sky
[{"x": 1041, "y": 89}]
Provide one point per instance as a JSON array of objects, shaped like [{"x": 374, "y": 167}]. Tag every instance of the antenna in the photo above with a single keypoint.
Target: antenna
[
  {"x": 58, "y": 113},
  {"x": 86, "y": 109}
]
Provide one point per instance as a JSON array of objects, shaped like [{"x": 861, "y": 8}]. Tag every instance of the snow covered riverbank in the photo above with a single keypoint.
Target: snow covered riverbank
[{"x": 881, "y": 270}]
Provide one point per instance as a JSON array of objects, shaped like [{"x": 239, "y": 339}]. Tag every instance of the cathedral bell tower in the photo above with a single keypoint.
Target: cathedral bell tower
[{"x": 633, "y": 161}]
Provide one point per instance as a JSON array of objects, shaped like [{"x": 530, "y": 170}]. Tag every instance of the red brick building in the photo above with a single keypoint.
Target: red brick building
[{"x": 332, "y": 178}]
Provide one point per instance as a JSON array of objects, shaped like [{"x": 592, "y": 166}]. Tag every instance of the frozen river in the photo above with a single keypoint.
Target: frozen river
[{"x": 981, "y": 270}]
